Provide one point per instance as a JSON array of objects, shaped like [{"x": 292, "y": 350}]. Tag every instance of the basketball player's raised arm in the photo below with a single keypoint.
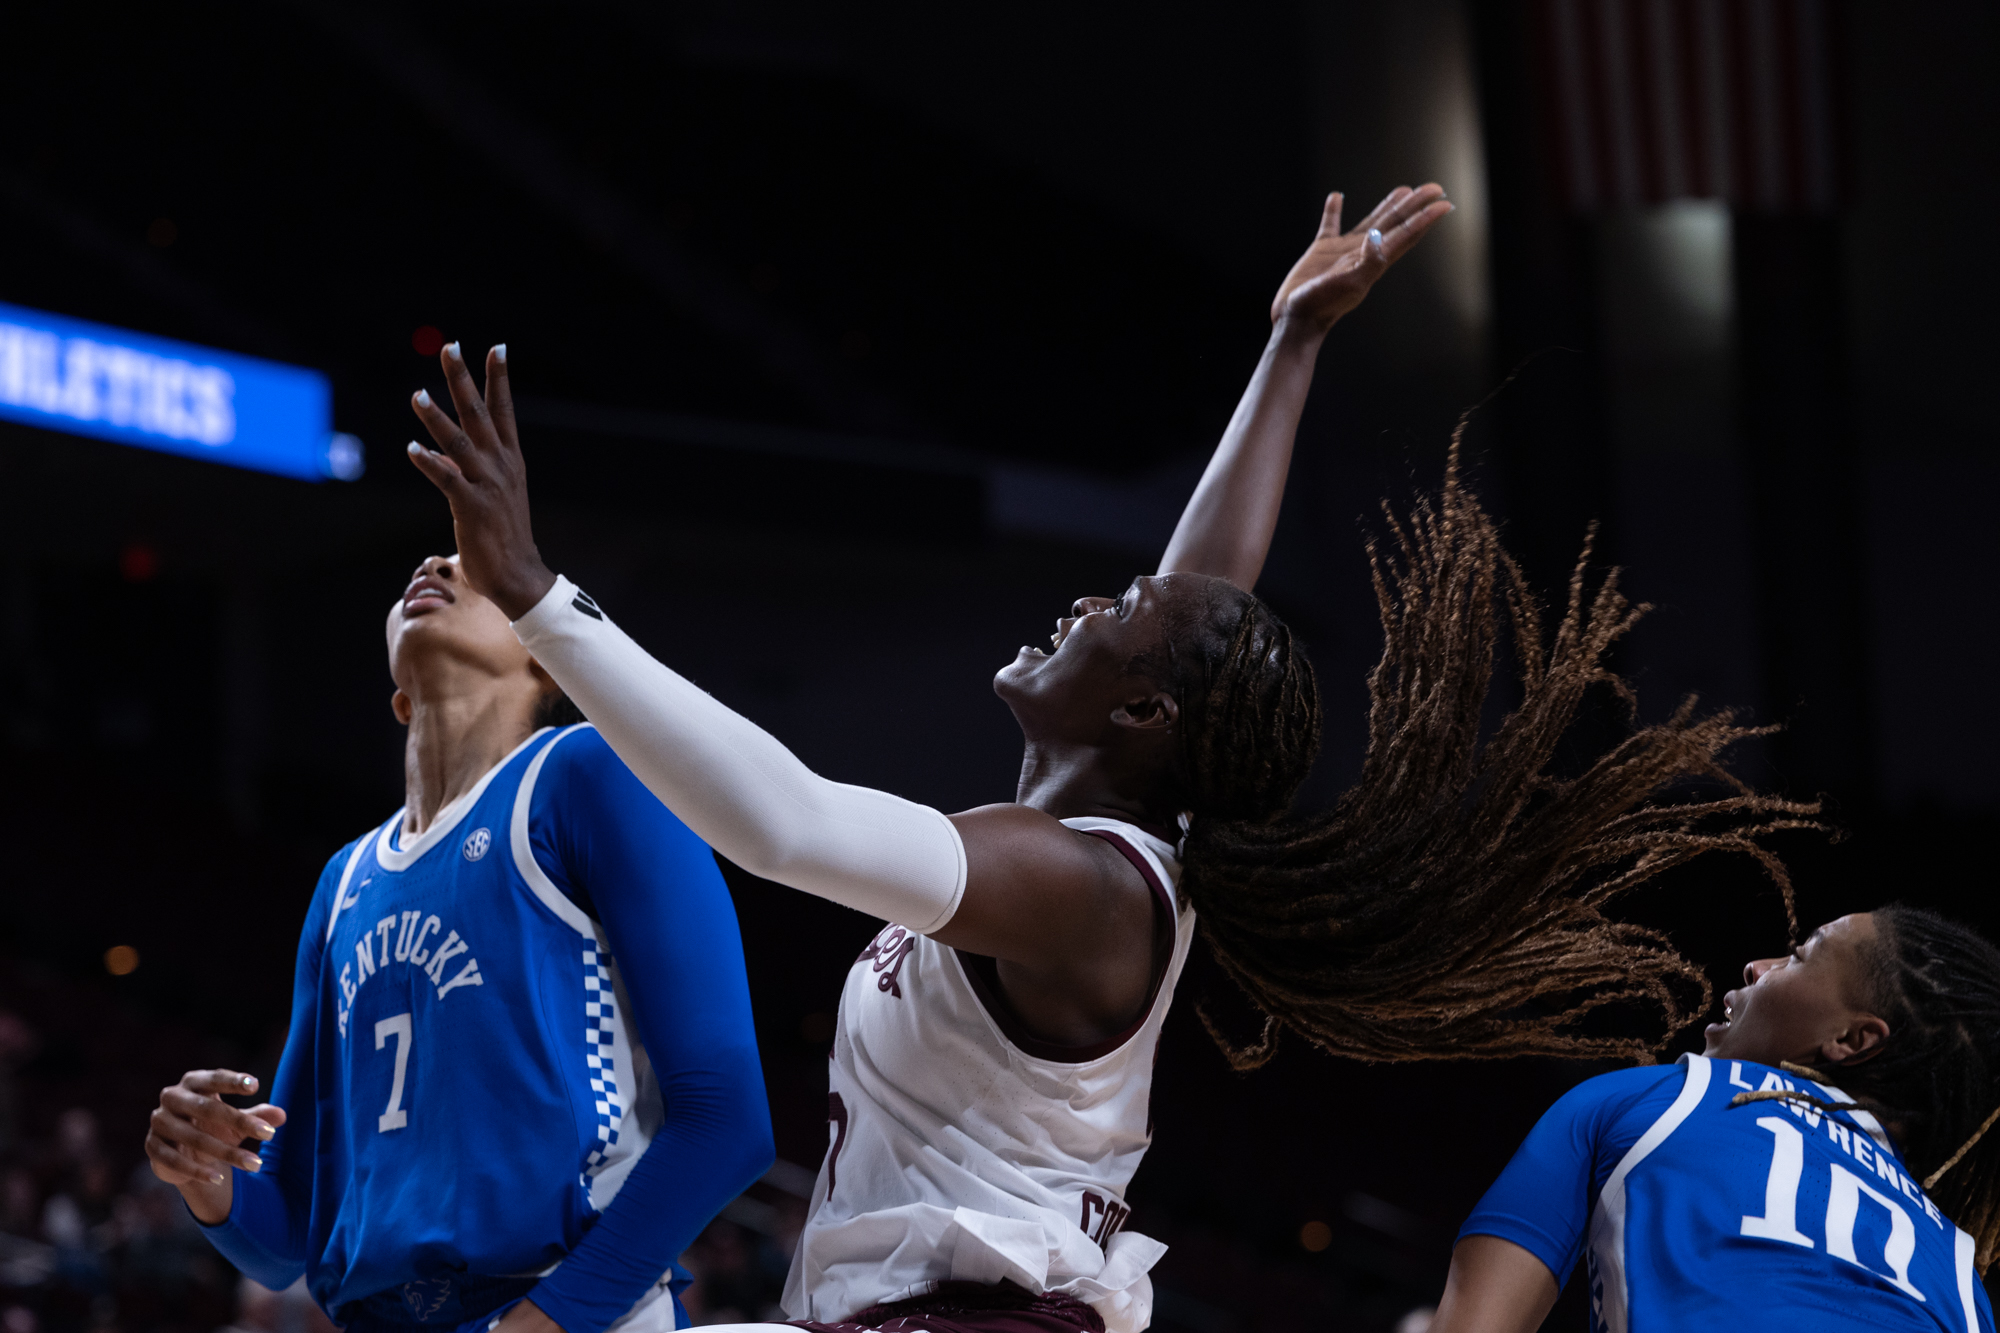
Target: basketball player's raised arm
[
  {"x": 1227, "y": 526},
  {"x": 730, "y": 781}
]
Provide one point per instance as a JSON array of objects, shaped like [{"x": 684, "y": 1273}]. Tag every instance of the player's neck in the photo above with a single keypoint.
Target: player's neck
[
  {"x": 454, "y": 738},
  {"x": 1073, "y": 781}
]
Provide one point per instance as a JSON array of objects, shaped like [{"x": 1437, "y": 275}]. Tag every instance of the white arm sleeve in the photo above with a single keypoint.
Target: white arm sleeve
[{"x": 741, "y": 791}]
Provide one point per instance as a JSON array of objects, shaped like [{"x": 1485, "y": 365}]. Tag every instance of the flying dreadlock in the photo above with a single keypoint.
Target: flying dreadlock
[{"x": 1452, "y": 904}]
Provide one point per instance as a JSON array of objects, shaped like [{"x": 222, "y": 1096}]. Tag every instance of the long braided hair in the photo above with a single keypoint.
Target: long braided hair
[
  {"x": 1936, "y": 1080},
  {"x": 1451, "y": 905}
]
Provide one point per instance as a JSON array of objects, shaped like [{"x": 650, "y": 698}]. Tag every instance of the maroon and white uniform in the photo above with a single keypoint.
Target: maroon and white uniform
[{"x": 963, "y": 1149}]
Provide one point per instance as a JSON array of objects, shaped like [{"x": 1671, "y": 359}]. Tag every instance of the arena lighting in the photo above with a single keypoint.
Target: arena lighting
[{"x": 132, "y": 388}]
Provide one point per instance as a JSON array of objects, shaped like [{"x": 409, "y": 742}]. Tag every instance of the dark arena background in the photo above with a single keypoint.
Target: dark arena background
[{"x": 854, "y": 342}]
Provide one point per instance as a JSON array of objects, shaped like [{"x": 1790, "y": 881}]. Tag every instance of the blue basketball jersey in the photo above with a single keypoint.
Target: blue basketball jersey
[
  {"x": 458, "y": 981},
  {"x": 482, "y": 1102},
  {"x": 1704, "y": 1215}
]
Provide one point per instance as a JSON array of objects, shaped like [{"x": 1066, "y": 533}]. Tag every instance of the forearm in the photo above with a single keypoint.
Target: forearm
[
  {"x": 670, "y": 922},
  {"x": 715, "y": 1143},
  {"x": 737, "y": 788},
  {"x": 208, "y": 1201},
  {"x": 255, "y": 1229},
  {"x": 1227, "y": 526}
]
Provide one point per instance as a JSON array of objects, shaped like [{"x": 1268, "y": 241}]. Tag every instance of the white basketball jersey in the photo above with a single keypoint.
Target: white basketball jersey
[{"x": 963, "y": 1149}]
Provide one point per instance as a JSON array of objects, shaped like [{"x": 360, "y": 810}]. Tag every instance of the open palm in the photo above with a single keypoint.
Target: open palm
[{"x": 1338, "y": 268}]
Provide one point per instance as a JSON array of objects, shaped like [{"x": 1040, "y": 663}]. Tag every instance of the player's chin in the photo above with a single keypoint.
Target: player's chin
[
  {"x": 1021, "y": 670},
  {"x": 1715, "y": 1039}
]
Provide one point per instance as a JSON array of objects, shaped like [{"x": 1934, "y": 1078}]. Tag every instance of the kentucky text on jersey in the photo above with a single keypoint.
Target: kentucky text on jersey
[
  {"x": 374, "y": 953},
  {"x": 521, "y": 1061}
]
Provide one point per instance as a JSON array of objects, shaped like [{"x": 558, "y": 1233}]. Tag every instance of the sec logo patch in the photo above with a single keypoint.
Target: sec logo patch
[{"x": 476, "y": 843}]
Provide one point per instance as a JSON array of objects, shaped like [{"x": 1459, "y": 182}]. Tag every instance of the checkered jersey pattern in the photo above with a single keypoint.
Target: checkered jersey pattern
[{"x": 601, "y": 1009}]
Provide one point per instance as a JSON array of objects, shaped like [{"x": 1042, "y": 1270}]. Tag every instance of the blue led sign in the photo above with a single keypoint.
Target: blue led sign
[{"x": 132, "y": 388}]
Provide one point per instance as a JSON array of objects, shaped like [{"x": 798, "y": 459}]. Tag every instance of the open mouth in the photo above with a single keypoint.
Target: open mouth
[
  {"x": 1056, "y": 640},
  {"x": 426, "y": 594}
]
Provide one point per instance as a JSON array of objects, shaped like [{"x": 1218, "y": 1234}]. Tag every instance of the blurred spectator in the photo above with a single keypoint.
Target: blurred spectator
[
  {"x": 80, "y": 1255},
  {"x": 261, "y": 1310},
  {"x": 725, "y": 1281},
  {"x": 20, "y": 1202},
  {"x": 741, "y": 1259},
  {"x": 161, "y": 1269},
  {"x": 18, "y": 1045},
  {"x": 76, "y": 1217}
]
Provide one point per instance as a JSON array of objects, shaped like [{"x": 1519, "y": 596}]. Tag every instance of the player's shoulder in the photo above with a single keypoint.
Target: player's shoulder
[
  {"x": 1609, "y": 1097},
  {"x": 579, "y": 751},
  {"x": 582, "y": 781},
  {"x": 333, "y": 876},
  {"x": 336, "y": 865}
]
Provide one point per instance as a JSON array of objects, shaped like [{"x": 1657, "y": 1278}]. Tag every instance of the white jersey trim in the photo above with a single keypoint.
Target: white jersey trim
[
  {"x": 1608, "y": 1229},
  {"x": 624, "y": 1096},
  {"x": 395, "y": 858},
  {"x": 539, "y": 883},
  {"x": 1962, "y": 1256},
  {"x": 340, "y": 898}
]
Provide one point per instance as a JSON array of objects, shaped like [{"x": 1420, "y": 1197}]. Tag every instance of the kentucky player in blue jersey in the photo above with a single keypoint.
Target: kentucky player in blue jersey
[
  {"x": 521, "y": 1074},
  {"x": 1825, "y": 1164}
]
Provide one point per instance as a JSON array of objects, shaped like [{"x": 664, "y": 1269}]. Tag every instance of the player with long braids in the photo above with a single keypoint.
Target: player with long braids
[
  {"x": 993, "y": 1056},
  {"x": 1829, "y": 1162}
]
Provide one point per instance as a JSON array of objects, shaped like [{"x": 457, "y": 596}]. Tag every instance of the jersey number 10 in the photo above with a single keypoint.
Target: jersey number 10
[{"x": 1843, "y": 1202}]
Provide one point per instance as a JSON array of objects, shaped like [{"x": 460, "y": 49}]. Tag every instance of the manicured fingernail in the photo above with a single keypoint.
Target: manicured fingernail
[
  {"x": 413, "y": 449},
  {"x": 1375, "y": 237},
  {"x": 423, "y": 398},
  {"x": 500, "y": 353},
  {"x": 264, "y": 1131},
  {"x": 254, "y": 1165},
  {"x": 249, "y": 1083},
  {"x": 215, "y": 1179},
  {"x": 451, "y": 350}
]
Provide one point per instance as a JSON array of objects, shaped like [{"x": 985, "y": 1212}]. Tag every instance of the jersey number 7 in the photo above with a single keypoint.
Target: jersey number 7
[{"x": 399, "y": 1028}]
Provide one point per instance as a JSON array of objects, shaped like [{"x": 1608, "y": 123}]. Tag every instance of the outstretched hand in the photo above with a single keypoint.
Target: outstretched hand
[
  {"x": 1337, "y": 269},
  {"x": 477, "y": 464}
]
